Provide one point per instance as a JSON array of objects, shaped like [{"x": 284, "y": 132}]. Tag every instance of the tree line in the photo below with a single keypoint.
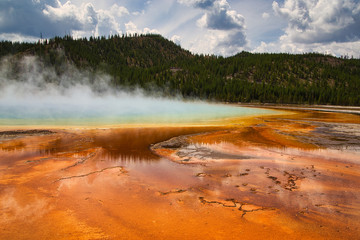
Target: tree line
[{"x": 153, "y": 62}]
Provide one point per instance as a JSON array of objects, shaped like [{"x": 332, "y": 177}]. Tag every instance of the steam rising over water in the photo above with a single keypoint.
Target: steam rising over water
[{"x": 38, "y": 95}]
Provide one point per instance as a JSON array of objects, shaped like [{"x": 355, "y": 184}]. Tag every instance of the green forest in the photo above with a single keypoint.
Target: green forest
[{"x": 153, "y": 62}]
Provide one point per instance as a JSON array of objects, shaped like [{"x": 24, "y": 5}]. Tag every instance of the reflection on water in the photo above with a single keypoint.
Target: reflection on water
[
  {"x": 129, "y": 144},
  {"x": 15, "y": 145},
  {"x": 117, "y": 156}
]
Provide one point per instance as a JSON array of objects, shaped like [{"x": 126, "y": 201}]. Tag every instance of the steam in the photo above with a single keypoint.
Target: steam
[{"x": 32, "y": 93}]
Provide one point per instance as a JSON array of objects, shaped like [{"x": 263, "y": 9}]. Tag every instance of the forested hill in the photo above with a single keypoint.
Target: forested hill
[{"x": 153, "y": 62}]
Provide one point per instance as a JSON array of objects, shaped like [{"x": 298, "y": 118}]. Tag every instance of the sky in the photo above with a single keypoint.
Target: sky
[{"x": 220, "y": 27}]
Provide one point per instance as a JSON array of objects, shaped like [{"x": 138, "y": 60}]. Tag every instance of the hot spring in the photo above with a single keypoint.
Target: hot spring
[
  {"x": 115, "y": 110},
  {"x": 34, "y": 94}
]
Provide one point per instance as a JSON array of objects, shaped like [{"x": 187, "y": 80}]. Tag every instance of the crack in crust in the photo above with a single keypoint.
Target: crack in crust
[
  {"x": 172, "y": 192},
  {"x": 236, "y": 204},
  {"x": 82, "y": 160},
  {"x": 122, "y": 170}
]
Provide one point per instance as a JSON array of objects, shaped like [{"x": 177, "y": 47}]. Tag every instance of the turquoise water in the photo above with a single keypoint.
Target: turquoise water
[{"x": 117, "y": 111}]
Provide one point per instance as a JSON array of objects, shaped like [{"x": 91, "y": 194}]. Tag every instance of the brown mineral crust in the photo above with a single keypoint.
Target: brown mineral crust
[{"x": 260, "y": 180}]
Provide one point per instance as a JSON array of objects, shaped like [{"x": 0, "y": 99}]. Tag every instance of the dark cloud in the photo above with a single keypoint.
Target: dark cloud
[
  {"x": 51, "y": 18},
  {"x": 222, "y": 19},
  {"x": 233, "y": 41},
  {"x": 204, "y": 4},
  {"x": 218, "y": 15},
  {"x": 24, "y": 17}
]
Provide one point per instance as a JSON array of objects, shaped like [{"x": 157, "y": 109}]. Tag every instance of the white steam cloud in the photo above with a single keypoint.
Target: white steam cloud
[{"x": 34, "y": 94}]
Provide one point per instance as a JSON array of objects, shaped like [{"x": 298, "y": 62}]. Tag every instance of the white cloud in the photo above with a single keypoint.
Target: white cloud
[
  {"x": 218, "y": 42},
  {"x": 131, "y": 28},
  {"x": 218, "y": 15},
  {"x": 333, "y": 48},
  {"x": 74, "y": 17},
  {"x": 176, "y": 39},
  {"x": 137, "y": 13},
  {"x": 118, "y": 11},
  {"x": 18, "y": 37},
  {"x": 265, "y": 15},
  {"x": 79, "y": 33},
  {"x": 320, "y": 21},
  {"x": 150, "y": 31},
  {"x": 86, "y": 20},
  {"x": 225, "y": 28},
  {"x": 52, "y": 18},
  {"x": 202, "y": 26},
  {"x": 324, "y": 26}
]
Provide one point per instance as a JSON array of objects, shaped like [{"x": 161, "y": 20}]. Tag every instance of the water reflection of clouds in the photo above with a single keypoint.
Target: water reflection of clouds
[{"x": 14, "y": 210}]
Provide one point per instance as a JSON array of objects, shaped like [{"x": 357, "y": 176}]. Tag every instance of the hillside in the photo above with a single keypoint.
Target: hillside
[{"x": 153, "y": 62}]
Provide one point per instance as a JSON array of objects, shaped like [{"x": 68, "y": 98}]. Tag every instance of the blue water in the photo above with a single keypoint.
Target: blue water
[{"x": 117, "y": 111}]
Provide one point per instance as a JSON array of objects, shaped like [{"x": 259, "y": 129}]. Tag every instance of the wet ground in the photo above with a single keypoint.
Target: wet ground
[{"x": 294, "y": 176}]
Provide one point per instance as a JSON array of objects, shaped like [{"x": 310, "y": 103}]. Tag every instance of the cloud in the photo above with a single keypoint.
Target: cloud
[
  {"x": 204, "y": 26},
  {"x": 17, "y": 37},
  {"x": 51, "y": 18},
  {"x": 218, "y": 42},
  {"x": 198, "y": 3},
  {"x": 176, "y": 39},
  {"x": 118, "y": 11},
  {"x": 332, "y": 48},
  {"x": 137, "y": 13},
  {"x": 225, "y": 27},
  {"x": 72, "y": 17},
  {"x": 131, "y": 28},
  {"x": 265, "y": 15},
  {"x": 320, "y": 21},
  {"x": 324, "y": 26},
  {"x": 220, "y": 17},
  {"x": 86, "y": 18},
  {"x": 22, "y": 17}
]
